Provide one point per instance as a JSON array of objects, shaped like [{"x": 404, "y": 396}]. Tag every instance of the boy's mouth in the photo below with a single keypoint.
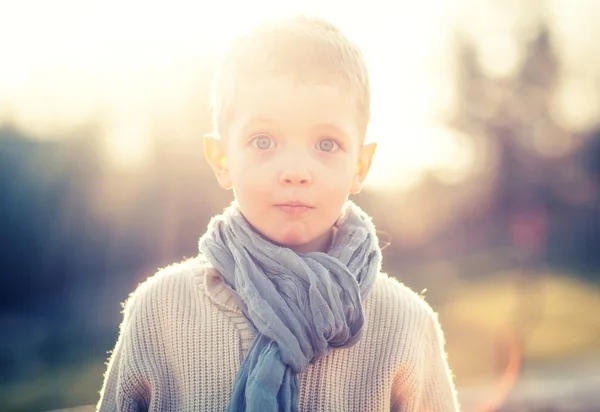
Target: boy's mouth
[{"x": 294, "y": 208}]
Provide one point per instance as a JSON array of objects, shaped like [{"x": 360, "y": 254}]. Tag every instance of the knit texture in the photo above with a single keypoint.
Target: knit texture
[{"x": 183, "y": 339}]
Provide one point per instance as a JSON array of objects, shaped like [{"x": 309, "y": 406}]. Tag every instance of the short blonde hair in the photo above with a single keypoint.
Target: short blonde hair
[{"x": 310, "y": 48}]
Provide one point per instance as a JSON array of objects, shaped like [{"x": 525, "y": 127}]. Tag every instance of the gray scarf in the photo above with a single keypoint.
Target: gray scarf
[{"x": 301, "y": 306}]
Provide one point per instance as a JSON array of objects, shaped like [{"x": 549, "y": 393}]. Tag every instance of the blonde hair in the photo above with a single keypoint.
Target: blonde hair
[{"x": 309, "y": 48}]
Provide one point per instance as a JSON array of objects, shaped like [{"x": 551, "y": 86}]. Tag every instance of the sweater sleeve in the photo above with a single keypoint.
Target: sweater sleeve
[
  {"x": 430, "y": 386},
  {"x": 124, "y": 388}
]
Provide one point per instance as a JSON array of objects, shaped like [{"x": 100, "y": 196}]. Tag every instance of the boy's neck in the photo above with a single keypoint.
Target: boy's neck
[{"x": 320, "y": 244}]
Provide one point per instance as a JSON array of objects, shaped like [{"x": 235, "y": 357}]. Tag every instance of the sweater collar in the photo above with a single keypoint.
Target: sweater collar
[{"x": 215, "y": 289}]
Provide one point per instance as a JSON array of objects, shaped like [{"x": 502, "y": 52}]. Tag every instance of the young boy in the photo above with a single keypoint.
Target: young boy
[{"x": 285, "y": 307}]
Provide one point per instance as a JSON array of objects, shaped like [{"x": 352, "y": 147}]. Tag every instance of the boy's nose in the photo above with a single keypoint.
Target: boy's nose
[{"x": 295, "y": 178}]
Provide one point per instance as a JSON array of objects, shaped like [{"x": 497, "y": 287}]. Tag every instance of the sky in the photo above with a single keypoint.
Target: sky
[{"x": 129, "y": 66}]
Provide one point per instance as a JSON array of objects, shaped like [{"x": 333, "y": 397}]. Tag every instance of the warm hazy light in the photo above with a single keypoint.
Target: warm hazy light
[{"x": 131, "y": 66}]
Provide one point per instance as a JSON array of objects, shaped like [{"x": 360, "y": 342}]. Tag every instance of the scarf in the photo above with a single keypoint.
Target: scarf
[{"x": 300, "y": 306}]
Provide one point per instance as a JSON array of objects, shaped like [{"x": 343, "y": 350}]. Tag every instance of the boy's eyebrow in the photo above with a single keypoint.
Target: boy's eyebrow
[
  {"x": 260, "y": 119},
  {"x": 333, "y": 127}
]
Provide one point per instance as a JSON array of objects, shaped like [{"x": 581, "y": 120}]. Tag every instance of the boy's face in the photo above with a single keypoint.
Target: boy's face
[{"x": 292, "y": 155}]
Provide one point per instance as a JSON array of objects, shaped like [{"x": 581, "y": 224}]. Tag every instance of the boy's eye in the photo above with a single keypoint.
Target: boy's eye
[
  {"x": 263, "y": 142},
  {"x": 327, "y": 145}
]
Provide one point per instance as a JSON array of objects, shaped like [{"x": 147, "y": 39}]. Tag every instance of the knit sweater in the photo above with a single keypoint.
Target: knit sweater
[{"x": 183, "y": 338}]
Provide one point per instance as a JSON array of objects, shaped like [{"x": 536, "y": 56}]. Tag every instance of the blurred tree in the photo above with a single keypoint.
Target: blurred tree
[
  {"x": 534, "y": 190},
  {"x": 509, "y": 123},
  {"x": 525, "y": 157}
]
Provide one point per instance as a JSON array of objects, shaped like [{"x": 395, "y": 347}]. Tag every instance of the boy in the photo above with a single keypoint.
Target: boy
[{"x": 285, "y": 308}]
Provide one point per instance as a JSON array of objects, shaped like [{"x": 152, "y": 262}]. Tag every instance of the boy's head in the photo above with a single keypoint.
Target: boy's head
[
  {"x": 291, "y": 108},
  {"x": 309, "y": 49}
]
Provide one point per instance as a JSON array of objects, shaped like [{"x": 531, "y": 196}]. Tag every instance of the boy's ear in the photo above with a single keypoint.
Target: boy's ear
[
  {"x": 365, "y": 158},
  {"x": 215, "y": 155}
]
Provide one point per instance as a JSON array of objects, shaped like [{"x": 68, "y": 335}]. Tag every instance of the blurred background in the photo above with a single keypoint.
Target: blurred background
[{"x": 486, "y": 183}]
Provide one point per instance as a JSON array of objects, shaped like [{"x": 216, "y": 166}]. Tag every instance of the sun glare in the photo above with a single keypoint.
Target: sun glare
[
  {"x": 82, "y": 61},
  {"x": 132, "y": 66},
  {"x": 128, "y": 145}
]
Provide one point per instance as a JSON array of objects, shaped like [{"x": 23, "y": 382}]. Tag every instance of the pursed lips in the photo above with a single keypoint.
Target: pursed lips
[{"x": 294, "y": 208}]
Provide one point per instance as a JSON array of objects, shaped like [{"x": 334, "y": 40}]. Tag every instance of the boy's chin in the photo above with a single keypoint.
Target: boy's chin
[{"x": 289, "y": 241}]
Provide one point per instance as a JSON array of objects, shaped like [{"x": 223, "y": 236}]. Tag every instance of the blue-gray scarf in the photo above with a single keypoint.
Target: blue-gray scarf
[{"x": 301, "y": 306}]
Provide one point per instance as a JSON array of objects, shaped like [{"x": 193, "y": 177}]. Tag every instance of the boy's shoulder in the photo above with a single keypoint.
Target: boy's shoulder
[
  {"x": 169, "y": 284},
  {"x": 393, "y": 298}
]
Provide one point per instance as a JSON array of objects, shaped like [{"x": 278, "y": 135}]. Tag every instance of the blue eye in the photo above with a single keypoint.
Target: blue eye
[
  {"x": 327, "y": 145},
  {"x": 263, "y": 142}
]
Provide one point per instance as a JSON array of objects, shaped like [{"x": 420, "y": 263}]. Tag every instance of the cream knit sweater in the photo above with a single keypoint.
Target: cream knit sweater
[{"x": 183, "y": 339}]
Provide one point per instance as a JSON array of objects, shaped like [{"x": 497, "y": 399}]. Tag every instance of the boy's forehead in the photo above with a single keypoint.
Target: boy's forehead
[
  {"x": 289, "y": 90},
  {"x": 286, "y": 99}
]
